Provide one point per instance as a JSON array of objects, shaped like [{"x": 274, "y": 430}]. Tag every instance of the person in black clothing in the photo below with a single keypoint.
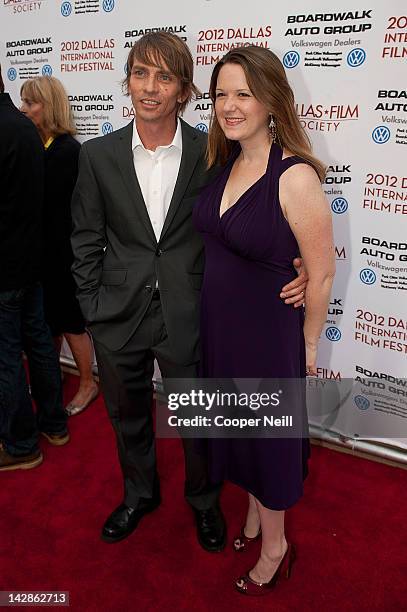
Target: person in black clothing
[
  {"x": 22, "y": 324},
  {"x": 46, "y": 103}
]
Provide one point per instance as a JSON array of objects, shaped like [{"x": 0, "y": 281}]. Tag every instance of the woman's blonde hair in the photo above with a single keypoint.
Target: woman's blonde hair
[
  {"x": 51, "y": 94},
  {"x": 266, "y": 78}
]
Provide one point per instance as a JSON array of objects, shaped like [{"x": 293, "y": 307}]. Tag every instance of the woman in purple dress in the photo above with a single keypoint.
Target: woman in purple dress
[{"x": 264, "y": 208}]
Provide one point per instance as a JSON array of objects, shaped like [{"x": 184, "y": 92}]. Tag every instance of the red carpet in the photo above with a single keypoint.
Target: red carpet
[{"x": 350, "y": 530}]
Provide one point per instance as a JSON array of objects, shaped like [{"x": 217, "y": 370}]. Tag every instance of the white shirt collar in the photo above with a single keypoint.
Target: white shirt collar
[{"x": 176, "y": 141}]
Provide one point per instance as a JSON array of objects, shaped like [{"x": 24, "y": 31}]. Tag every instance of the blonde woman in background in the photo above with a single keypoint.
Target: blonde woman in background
[{"x": 45, "y": 102}]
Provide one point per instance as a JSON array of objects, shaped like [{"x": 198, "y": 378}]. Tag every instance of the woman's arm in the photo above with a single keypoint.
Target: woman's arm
[{"x": 306, "y": 210}]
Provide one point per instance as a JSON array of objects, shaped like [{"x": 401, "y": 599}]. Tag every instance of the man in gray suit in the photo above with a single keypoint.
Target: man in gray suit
[{"x": 139, "y": 266}]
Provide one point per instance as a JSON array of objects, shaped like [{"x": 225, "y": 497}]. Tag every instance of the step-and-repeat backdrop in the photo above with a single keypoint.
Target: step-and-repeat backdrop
[{"x": 347, "y": 63}]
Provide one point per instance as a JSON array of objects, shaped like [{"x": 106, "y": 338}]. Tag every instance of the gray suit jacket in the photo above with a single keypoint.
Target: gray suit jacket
[{"x": 117, "y": 257}]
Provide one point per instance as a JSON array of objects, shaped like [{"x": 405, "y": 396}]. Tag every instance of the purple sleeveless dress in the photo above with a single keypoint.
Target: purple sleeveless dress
[{"x": 246, "y": 329}]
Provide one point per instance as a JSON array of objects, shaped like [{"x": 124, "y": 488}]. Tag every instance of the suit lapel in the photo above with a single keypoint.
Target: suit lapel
[
  {"x": 191, "y": 151},
  {"x": 126, "y": 165}
]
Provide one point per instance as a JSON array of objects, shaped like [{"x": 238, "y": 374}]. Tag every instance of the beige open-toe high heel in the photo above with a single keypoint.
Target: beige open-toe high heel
[{"x": 71, "y": 409}]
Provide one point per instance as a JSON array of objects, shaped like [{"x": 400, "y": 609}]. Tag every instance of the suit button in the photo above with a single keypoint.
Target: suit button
[{"x": 158, "y": 252}]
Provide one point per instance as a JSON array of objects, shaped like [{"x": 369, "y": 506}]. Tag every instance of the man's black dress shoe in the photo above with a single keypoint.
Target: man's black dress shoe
[
  {"x": 211, "y": 528},
  {"x": 124, "y": 520}
]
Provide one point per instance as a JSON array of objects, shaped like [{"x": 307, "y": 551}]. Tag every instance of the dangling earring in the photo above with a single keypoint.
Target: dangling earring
[{"x": 272, "y": 129}]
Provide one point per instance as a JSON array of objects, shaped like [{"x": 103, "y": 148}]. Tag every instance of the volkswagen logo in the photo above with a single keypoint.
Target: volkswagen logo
[
  {"x": 107, "y": 128},
  {"x": 12, "y": 74},
  {"x": 66, "y": 9},
  {"x": 108, "y": 5},
  {"x": 339, "y": 206},
  {"x": 46, "y": 70},
  {"x": 361, "y": 402},
  {"x": 367, "y": 276},
  {"x": 381, "y": 134},
  {"x": 291, "y": 59},
  {"x": 202, "y": 127},
  {"x": 356, "y": 57},
  {"x": 333, "y": 334}
]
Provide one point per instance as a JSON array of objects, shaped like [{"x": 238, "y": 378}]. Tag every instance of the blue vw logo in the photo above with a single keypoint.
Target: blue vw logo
[
  {"x": 107, "y": 128},
  {"x": 339, "y": 206},
  {"x": 367, "y": 276},
  {"x": 356, "y": 57},
  {"x": 66, "y": 9},
  {"x": 202, "y": 127},
  {"x": 381, "y": 134},
  {"x": 12, "y": 74},
  {"x": 108, "y": 5},
  {"x": 361, "y": 402},
  {"x": 46, "y": 70},
  {"x": 333, "y": 334},
  {"x": 291, "y": 59}
]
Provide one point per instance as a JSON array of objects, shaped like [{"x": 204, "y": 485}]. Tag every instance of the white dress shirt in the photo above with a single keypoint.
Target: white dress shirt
[{"x": 157, "y": 173}]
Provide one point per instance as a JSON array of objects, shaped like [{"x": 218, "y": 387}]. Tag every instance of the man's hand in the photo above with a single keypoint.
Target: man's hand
[{"x": 294, "y": 292}]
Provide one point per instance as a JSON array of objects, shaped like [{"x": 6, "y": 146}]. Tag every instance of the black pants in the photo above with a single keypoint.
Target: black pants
[{"x": 126, "y": 380}]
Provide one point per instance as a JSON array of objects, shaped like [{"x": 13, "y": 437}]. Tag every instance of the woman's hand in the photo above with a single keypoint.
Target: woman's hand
[{"x": 311, "y": 358}]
